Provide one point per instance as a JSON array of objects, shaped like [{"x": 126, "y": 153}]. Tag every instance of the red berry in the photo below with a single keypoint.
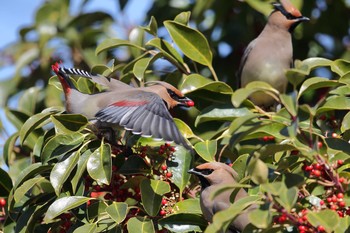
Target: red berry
[
  {"x": 282, "y": 218},
  {"x": 322, "y": 202},
  {"x": 341, "y": 179},
  {"x": 316, "y": 173},
  {"x": 161, "y": 151},
  {"x": 2, "y": 202},
  {"x": 329, "y": 199},
  {"x": 302, "y": 228},
  {"x": 172, "y": 149},
  {"x": 342, "y": 204},
  {"x": 308, "y": 168},
  {"x": 321, "y": 228},
  {"x": 319, "y": 145},
  {"x": 162, "y": 212},
  {"x": 334, "y": 198},
  {"x": 169, "y": 174},
  {"x": 340, "y": 195},
  {"x": 164, "y": 201},
  {"x": 334, "y": 135},
  {"x": 334, "y": 207},
  {"x": 265, "y": 138},
  {"x": 340, "y": 162},
  {"x": 164, "y": 167}
]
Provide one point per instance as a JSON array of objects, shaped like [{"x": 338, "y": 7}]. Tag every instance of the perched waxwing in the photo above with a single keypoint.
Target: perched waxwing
[
  {"x": 143, "y": 111},
  {"x": 212, "y": 176},
  {"x": 268, "y": 56}
]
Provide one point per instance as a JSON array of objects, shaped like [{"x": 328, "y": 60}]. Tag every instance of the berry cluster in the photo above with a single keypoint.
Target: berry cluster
[{"x": 268, "y": 138}]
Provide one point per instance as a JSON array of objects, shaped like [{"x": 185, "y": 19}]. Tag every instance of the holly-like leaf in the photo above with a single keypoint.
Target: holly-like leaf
[
  {"x": 140, "y": 225},
  {"x": 117, "y": 211},
  {"x": 69, "y": 123},
  {"x": 191, "y": 42},
  {"x": 99, "y": 164},
  {"x": 207, "y": 150},
  {"x": 151, "y": 194}
]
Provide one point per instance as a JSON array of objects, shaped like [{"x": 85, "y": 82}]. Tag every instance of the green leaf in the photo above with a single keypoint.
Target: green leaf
[
  {"x": 62, "y": 170},
  {"x": 191, "y": 42},
  {"x": 136, "y": 36},
  {"x": 62, "y": 205},
  {"x": 289, "y": 103},
  {"x": 258, "y": 171},
  {"x": 329, "y": 219},
  {"x": 33, "y": 123},
  {"x": 185, "y": 130},
  {"x": 8, "y": 149},
  {"x": 140, "y": 68},
  {"x": 109, "y": 44},
  {"x": 316, "y": 83},
  {"x": 140, "y": 225},
  {"x": 195, "y": 82},
  {"x": 207, "y": 150},
  {"x": 240, "y": 166},
  {"x": 179, "y": 166},
  {"x": 311, "y": 63},
  {"x": 28, "y": 100},
  {"x": 222, "y": 113},
  {"x": 183, "y": 17},
  {"x": 275, "y": 188},
  {"x": 25, "y": 187},
  {"x": 338, "y": 144},
  {"x": 340, "y": 66},
  {"x": 260, "y": 218},
  {"x": 117, "y": 211},
  {"x": 152, "y": 27},
  {"x": 86, "y": 228},
  {"x": 345, "y": 125},
  {"x": 69, "y": 123},
  {"x": 263, "y": 7},
  {"x": 60, "y": 145},
  {"x": 190, "y": 206},
  {"x": 5, "y": 183},
  {"x": 335, "y": 103},
  {"x": 151, "y": 194},
  {"x": 243, "y": 93},
  {"x": 288, "y": 199},
  {"x": 99, "y": 164},
  {"x": 183, "y": 222},
  {"x": 81, "y": 167}
]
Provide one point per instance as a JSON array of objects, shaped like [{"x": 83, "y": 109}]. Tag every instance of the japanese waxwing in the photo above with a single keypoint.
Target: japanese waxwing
[
  {"x": 268, "y": 56},
  {"x": 212, "y": 176},
  {"x": 143, "y": 111}
]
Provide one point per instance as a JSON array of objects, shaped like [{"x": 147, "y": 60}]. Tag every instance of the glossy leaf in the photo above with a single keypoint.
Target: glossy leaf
[
  {"x": 99, "y": 164},
  {"x": 345, "y": 125},
  {"x": 288, "y": 199},
  {"x": 86, "y": 228},
  {"x": 152, "y": 27},
  {"x": 316, "y": 83},
  {"x": 183, "y": 17},
  {"x": 140, "y": 68},
  {"x": 183, "y": 223},
  {"x": 329, "y": 219},
  {"x": 258, "y": 171},
  {"x": 81, "y": 168},
  {"x": 8, "y": 149},
  {"x": 62, "y": 205},
  {"x": 207, "y": 150},
  {"x": 335, "y": 103},
  {"x": 109, "y": 44},
  {"x": 185, "y": 130},
  {"x": 60, "y": 145},
  {"x": 32, "y": 123},
  {"x": 260, "y": 218},
  {"x": 69, "y": 123},
  {"x": 191, "y": 42},
  {"x": 62, "y": 170},
  {"x": 190, "y": 206},
  {"x": 151, "y": 194},
  {"x": 5, "y": 183},
  {"x": 117, "y": 211},
  {"x": 195, "y": 82},
  {"x": 28, "y": 100},
  {"x": 179, "y": 167},
  {"x": 140, "y": 225},
  {"x": 340, "y": 66},
  {"x": 21, "y": 191}
]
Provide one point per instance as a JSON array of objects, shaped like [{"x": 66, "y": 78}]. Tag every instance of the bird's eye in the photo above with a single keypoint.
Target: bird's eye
[
  {"x": 173, "y": 95},
  {"x": 207, "y": 171}
]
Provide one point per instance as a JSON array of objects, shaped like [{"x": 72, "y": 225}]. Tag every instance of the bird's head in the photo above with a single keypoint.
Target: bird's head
[
  {"x": 214, "y": 173},
  {"x": 172, "y": 96},
  {"x": 286, "y": 15}
]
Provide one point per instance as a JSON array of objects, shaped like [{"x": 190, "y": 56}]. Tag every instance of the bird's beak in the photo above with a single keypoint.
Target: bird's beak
[
  {"x": 193, "y": 171},
  {"x": 303, "y": 19},
  {"x": 186, "y": 102}
]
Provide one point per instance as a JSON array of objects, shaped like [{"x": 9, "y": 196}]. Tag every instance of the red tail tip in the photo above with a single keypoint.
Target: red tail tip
[
  {"x": 55, "y": 67},
  {"x": 190, "y": 103}
]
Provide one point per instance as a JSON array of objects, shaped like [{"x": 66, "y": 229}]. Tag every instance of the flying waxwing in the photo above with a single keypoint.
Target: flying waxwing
[
  {"x": 212, "y": 176},
  {"x": 143, "y": 110},
  {"x": 271, "y": 53}
]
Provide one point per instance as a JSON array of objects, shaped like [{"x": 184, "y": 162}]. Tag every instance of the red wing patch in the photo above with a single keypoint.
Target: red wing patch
[
  {"x": 55, "y": 67},
  {"x": 127, "y": 103}
]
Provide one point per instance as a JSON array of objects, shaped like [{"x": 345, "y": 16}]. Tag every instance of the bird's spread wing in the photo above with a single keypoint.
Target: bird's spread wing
[{"x": 144, "y": 114}]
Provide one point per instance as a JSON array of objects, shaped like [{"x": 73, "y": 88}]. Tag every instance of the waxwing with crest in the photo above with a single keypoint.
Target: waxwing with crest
[
  {"x": 213, "y": 176},
  {"x": 143, "y": 110},
  {"x": 269, "y": 55}
]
